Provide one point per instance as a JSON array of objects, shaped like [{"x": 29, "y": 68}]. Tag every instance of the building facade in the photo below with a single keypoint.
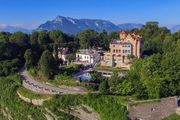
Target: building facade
[
  {"x": 62, "y": 54},
  {"x": 122, "y": 50},
  {"x": 87, "y": 56}
]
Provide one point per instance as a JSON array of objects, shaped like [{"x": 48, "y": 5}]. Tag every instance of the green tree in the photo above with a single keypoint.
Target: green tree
[
  {"x": 103, "y": 40},
  {"x": 97, "y": 77},
  {"x": 47, "y": 64},
  {"x": 20, "y": 39},
  {"x": 125, "y": 88},
  {"x": 104, "y": 88},
  {"x": 4, "y": 37},
  {"x": 34, "y": 38},
  {"x": 55, "y": 34},
  {"x": 114, "y": 35},
  {"x": 70, "y": 58},
  {"x": 43, "y": 38},
  {"x": 29, "y": 59},
  {"x": 88, "y": 39},
  {"x": 114, "y": 80}
]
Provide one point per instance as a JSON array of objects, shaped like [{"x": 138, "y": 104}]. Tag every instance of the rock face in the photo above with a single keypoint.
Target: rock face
[
  {"x": 74, "y": 26},
  {"x": 154, "y": 110}
]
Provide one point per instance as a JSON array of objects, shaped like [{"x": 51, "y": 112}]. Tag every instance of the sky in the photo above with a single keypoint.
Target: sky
[{"x": 31, "y": 13}]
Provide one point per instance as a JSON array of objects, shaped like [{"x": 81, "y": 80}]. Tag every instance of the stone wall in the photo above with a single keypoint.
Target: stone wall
[
  {"x": 32, "y": 101},
  {"x": 154, "y": 110}
]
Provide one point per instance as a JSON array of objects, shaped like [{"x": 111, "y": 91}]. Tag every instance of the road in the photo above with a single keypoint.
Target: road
[{"x": 42, "y": 88}]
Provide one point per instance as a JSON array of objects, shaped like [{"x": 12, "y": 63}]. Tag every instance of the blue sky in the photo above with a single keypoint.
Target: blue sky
[{"x": 31, "y": 13}]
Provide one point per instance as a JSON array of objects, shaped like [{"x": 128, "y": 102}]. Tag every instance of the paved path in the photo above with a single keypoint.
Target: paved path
[{"x": 42, "y": 88}]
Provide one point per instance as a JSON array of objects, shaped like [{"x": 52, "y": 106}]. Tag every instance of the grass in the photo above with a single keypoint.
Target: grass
[
  {"x": 133, "y": 101},
  {"x": 173, "y": 117},
  {"x": 113, "y": 69},
  {"x": 29, "y": 94},
  {"x": 64, "y": 80},
  {"x": 108, "y": 107}
]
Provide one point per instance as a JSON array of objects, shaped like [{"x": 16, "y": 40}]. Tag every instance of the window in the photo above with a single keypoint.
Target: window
[
  {"x": 116, "y": 51},
  {"x": 113, "y": 51},
  {"x": 119, "y": 51}
]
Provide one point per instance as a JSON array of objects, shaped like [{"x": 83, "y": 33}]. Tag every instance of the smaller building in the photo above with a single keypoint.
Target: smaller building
[
  {"x": 62, "y": 54},
  {"x": 87, "y": 56}
]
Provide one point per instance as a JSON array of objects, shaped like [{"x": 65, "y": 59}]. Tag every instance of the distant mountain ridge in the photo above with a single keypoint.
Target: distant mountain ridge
[
  {"x": 175, "y": 28},
  {"x": 12, "y": 29},
  {"x": 74, "y": 26}
]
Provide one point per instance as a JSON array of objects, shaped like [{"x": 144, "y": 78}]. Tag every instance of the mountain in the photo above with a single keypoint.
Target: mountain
[
  {"x": 130, "y": 26},
  {"x": 175, "y": 28},
  {"x": 74, "y": 26},
  {"x": 12, "y": 29}
]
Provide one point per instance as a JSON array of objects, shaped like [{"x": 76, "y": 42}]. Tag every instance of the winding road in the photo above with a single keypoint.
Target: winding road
[{"x": 42, "y": 88}]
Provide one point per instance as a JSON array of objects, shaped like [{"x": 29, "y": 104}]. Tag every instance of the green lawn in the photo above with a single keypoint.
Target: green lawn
[
  {"x": 113, "y": 69},
  {"x": 173, "y": 117},
  {"x": 133, "y": 101},
  {"x": 64, "y": 80}
]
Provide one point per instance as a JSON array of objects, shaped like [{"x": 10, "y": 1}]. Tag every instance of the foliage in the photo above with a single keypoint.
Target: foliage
[
  {"x": 71, "y": 69},
  {"x": 108, "y": 107},
  {"x": 29, "y": 58},
  {"x": 104, "y": 88},
  {"x": 173, "y": 117},
  {"x": 70, "y": 57},
  {"x": 13, "y": 105},
  {"x": 96, "y": 77},
  {"x": 114, "y": 35},
  {"x": 62, "y": 79},
  {"x": 47, "y": 64},
  {"x": 9, "y": 67},
  {"x": 31, "y": 95},
  {"x": 88, "y": 39},
  {"x": 20, "y": 39}
]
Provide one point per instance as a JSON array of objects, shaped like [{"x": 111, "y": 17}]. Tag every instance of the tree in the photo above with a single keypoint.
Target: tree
[
  {"x": 114, "y": 35},
  {"x": 55, "y": 34},
  {"x": 70, "y": 58},
  {"x": 104, "y": 88},
  {"x": 4, "y": 37},
  {"x": 20, "y": 39},
  {"x": 88, "y": 39},
  {"x": 125, "y": 88},
  {"x": 34, "y": 38},
  {"x": 114, "y": 80},
  {"x": 43, "y": 38},
  {"x": 47, "y": 64},
  {"x": 29, "y": 59},
  {"x": 96, "y": 77},
  {"x": 103, "y": 40}
]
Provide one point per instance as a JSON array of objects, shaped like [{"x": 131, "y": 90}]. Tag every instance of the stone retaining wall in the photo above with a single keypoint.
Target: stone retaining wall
[
  {"x": 38, "y": 102},
  {"x": 154, "y": 110}
]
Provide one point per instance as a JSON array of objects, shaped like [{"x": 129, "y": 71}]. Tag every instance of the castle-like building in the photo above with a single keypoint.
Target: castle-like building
[{"x": 122, "y": 50}]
